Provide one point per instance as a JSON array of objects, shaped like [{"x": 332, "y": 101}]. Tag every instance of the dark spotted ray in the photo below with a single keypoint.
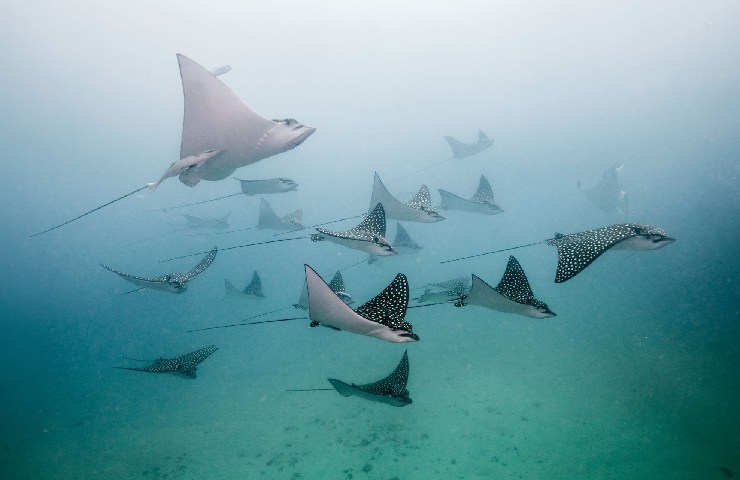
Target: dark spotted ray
[
  {"x": 169, "y": 282},
  {"x": 368, "y": 236},
  {"x": 578, "y": 250},
  {"x": 403, "y": 242},
  {"x": 269, "y": 219},
  {"x": 447, "y": 291},
  {"x": 185, "y": 365},
  {"x": 382, "y": 317},
  {"x": 254, "y": 288},
  {"x": 215, "y": 223},
  {"x": 264, "y": 187},
  {"x": 220, "y": 133},
  {"x": 391, "y": 390},
  {"x": 462, "y": 150},
  {"x": 481, "y": 202},
  {"x": 336, "y": 285},
  {"x": 608, "y": 194},
  {"x": 512, "y": 294},
  {"x": 418, "y": 209}
]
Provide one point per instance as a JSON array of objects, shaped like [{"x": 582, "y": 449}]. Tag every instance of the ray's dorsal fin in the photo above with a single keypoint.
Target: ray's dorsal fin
[
  {"x": 482, "y": 137},
  {"x": 514, "y": 284},
  {"x": 337, "y": 283},
  {"x": 373, "y": 223},
  {"x": 389, "y": 306},
  {"x": 484, "y": 194},
  {"x": 394, "y": 384},
  {"x": 422, "y": 200},
  {"x": 255, "y": 286}
]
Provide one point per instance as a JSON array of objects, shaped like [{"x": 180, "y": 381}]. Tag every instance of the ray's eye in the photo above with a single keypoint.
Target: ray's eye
[{"x": 638, "y": 231}]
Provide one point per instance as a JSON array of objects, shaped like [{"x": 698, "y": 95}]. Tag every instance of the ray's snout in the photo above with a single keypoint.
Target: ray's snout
[{"x": 303, "y": 134}]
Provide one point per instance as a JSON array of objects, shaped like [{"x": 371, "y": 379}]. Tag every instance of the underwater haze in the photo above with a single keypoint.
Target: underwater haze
[{"x": 637, "y": 375}]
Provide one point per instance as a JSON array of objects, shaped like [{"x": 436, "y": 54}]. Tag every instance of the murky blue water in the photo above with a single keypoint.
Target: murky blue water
[{"x": 635, "y": 378}]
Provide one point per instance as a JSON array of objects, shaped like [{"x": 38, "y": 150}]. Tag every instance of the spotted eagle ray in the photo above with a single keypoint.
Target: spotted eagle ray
[
  {"x": 268, "y": 219},
  {"x": 391, "y": 390},
  {"x": 462, "y": 150},
  {"x": 185, "y": 365},
  {"x": 169, "y": 282},
  {"x": 382, "y": 317},
  {"x": 447, "y": 291},
  {"x": 512, "y": 294},
  {"x": 336, "y": 285},
  {"x": 481, "y": 202},
  {"x": 254, "y": 288},
  {"x": 403, "y": 243},
  {"x": 214, "y": 223},
  {"x": 368, "y": 236},
  {"x": 418, "y": 209},
  {"x": 608, "y": 194},
  {"x": 263, "y": 187},
  {"x": 217, "y": 124},
  {"x": 578, "y": 250}
]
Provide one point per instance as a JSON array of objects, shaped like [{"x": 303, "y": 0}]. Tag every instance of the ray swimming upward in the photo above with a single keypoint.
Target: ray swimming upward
[{"x": 220, "y": 133}]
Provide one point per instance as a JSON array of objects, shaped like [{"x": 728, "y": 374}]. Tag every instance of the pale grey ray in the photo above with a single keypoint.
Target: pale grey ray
[
  {"x": 268, "y": 219},
  {"x": 481, "y": 202},
  {"x": 463, "y": 150},
  {"x": 418, "y": 209},
  {"x": 608, "y": 194},
  {"x": 216, "y": 119},
  {"x": 268, "y": 186},
  {"x": 208, "y": 223}
]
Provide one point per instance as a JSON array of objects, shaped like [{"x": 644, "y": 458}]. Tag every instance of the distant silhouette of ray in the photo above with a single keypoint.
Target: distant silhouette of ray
[
  {"x": 463, "y": 150},
  {"x": 481, "y": 202}
]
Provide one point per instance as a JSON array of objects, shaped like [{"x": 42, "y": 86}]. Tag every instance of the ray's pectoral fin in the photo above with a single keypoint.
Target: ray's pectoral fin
[
  {"x": 193, "y": 173},
  {"x": 344, "y": 389}
]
